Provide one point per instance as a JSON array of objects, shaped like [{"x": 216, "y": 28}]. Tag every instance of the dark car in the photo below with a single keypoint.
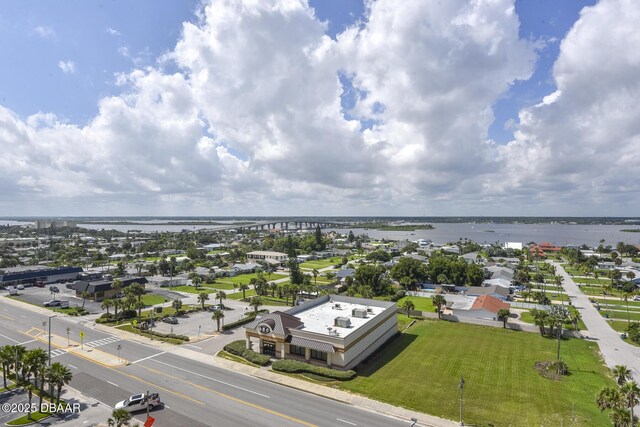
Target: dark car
[
  {"x": 171, "y": 319},
  {"x": 54, "y": 289}
]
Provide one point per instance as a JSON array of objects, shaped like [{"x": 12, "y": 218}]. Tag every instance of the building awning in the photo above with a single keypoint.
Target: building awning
[{"x": 313, "y": 345}]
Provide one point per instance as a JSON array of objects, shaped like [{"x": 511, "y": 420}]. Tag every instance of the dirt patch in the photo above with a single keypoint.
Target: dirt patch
[{"x": 548, "y": 370}]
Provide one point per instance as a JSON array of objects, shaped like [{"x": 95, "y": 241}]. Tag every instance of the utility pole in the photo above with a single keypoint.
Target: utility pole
[
  {"x": 147, "y": 398},
  {"x": 461, "y": 386}
]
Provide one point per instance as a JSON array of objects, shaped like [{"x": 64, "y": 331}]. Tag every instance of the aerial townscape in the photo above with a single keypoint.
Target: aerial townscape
[
  {"x": 315, "y": 321},
  {"x": 320, "y": 213}
]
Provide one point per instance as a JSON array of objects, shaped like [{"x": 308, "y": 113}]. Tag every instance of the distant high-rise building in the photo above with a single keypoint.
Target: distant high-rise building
[{"x": 42, "y": 224}]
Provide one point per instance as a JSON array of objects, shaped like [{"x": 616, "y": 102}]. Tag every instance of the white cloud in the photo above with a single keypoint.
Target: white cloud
[
  {"x": 45, "y": 32},
  {"x": 252, "y": 121},
  {"x": 580, "y": 147},
  {"x": 67, "y": 67},
  {"x": 112, "y": 31}
]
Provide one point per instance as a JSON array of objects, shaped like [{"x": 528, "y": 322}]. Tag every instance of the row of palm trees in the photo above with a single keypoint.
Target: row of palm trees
[
  {"x": 131, "y": 300},
  {"x": 32, "y": 372},
  {"x": 621, "y": 399}
]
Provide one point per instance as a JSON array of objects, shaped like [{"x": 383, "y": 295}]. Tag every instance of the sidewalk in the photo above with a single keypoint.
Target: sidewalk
[{"x": 614, "y": 350}]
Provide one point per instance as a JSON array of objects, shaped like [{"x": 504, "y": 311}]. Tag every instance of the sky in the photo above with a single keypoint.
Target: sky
[{"x": 320, "y": 107}]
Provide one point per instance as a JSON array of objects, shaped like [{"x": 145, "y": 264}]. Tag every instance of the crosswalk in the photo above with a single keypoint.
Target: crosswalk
[
  {"x": 102, "y": 341},
  {"x": 57, "y": 352}
]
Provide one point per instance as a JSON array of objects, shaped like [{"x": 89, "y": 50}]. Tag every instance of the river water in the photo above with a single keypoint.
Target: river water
[{"x": 558, "y": 234}]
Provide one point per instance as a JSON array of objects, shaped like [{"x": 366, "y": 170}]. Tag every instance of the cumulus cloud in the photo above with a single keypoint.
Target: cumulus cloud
[
  {"x": 581, "y": 145},
  {"x": 250, "y": 119},
  {"x": 112, "y": 31},
  {"x": 67, "y": 67},
  {"x": 45, "y": 32}
]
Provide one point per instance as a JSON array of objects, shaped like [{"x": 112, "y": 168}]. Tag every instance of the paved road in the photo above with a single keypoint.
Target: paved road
[
  {"x": 195, "y": 393},
  {"x": 614, "y": 350}
]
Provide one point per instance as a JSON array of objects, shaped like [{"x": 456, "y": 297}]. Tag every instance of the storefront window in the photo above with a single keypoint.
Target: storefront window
[
  {"x": 318, "y": 355},
  {"x": 294, "y": 349}
]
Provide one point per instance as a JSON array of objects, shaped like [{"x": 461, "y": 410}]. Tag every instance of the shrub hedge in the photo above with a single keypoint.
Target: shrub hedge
[
  {"x": 250, "y": 317},
  {"x": 160, "y": 334},
  {"x": 295, "y": 367},
  {"x": 238, "y": 348}
]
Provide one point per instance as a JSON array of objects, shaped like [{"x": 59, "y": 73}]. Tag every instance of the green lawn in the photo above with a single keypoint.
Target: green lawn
[
  {"x": 152, "y": 299},
  {"x": 193, "y": 290},
  {"x": 245, "y": 278},
  {"x": 221, "y": 284},
  {"x": 589, "y": 280},
  {"x": 238, "y": 295},
  {"x": 632, "y": 304},
  {"x": 620, "y": 314},
  {"x": 421, "y": 303},
  {"x": 321, "y": 263},
  {"x": 421, "y": 368}
]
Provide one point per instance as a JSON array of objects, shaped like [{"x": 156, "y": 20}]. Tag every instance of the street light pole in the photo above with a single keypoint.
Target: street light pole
[{"x": 461, "y": 386}]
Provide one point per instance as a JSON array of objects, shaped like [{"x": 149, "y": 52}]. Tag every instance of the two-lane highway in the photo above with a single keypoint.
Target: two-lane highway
[{"x": 195, "y": 393}]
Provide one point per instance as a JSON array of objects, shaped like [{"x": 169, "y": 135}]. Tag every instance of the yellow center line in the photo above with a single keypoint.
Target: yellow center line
[
  {"x": 7, "y": 317},
  {"x": 235, "y": 399}
]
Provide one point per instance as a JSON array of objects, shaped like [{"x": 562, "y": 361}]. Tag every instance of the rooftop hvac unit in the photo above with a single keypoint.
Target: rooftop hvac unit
[
  {"x": 337, "y": 306},
  {"x": 369, "y": 310},
  {"x": 359, "y": 312},
  {"x": 342, "y": 322}
]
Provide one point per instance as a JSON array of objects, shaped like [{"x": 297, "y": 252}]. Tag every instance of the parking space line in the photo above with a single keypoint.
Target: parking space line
[
  {"x": 7, "y": 317},
  {"x": 10, "y": 339}
]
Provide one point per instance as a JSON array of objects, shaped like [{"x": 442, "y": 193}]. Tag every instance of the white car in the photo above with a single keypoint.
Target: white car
[
  {"x": 636, "y": 298},
  {"x": 139, "y": 402},
  {"x": 20, "y": 287}
]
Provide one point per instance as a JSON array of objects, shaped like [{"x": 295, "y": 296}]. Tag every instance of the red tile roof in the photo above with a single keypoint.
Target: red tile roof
[{"x": 489, "y": 303}]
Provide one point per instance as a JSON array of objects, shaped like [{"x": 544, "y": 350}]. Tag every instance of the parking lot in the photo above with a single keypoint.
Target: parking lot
[
  {"x": 200, "y": 323},
  {"x": 39, "y": 296}
]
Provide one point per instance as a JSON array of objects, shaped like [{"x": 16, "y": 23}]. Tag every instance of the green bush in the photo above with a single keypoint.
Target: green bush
[
  {"x": 238, "y": 348},
  {"x": 295, "y": 367},
  {"x": 633, "y": 332},
  {"x": 161, "y": 335},
  {"x": 248, "y": 318}
]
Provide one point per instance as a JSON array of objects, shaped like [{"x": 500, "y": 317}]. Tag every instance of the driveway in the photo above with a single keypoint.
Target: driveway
[{"x": 614, "y": 350}]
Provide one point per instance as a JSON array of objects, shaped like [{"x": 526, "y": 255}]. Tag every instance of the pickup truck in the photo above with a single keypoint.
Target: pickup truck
[
  {"x": 139, "y": 402},
  {"x": 56, "y": 303}
]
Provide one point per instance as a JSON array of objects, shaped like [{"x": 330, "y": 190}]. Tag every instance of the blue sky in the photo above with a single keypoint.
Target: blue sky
[
  {"x": 35, "y": 35},
  {"x": 345, "y": 107}
]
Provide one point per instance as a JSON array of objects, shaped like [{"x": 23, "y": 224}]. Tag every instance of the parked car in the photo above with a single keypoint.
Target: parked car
[
  {"x": 52, "y": 303},
  {"x": 636, "y": 298},
  {"x": 623, "y": 335},
  {"x": 139, "y": 402},
  {"x": 214, "y": 308},
  {"x": 56, "y": 303},
  {"x": 171, "y": 319},
  {"x": 20, "y": 287},
  {"x": 12, "y": 290},
  {"x": 54, "y": 289}
]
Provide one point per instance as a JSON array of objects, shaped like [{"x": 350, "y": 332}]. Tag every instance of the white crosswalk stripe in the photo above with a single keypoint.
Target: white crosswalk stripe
[
  {"x": 101, "y": 342},
  {"x": 57, "y": 352}
]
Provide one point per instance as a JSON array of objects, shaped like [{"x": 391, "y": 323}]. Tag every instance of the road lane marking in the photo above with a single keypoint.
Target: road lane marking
[
  {"x": 10, "y": 339},
  {"x": 71, "y": 366},
  {"x": 194, "y": 346},
  {"x": 27, "y": 342},
  {"x": 346, "y": 422},
  {"x": 7, "y": 317},
  {"x": 149, "y": 357},
  {"x": 213, "y": 379},
  {"x": 113, "y": 384},
  {"x": 235, "y": 399}
]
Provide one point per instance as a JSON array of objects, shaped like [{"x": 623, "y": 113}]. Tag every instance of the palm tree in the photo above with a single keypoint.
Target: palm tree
[
  {"x": 540, "y": 319},
  {"x": 30, "y": 389},
  {"x": 119, "y": 418},
  {"x": 504, "y": 314},
  {"x": 625, "y": 298},
  {"x": 177, "y": 305},
  {"x": 220, "y": 295},
  {"x": 631, "y": 394},
  {"x": 243, "y": 287},
  {"x": 255, "y": 303},
  {"x": 106, "y": 305},
  {"x": 7, "y": 357},
  {"x": 439, "y": 301},
  {"x": 558, "y": 282},
  {"x": 202, "y": 297},
  {"x": 18, "y": 353},
  {"x": 273, "y": 286},
  {"x": 84, "y": 296},
  {"x": 61, "y": 375},
  {"x": 408, "y": 305},
  {"x": 196, "y": 280},
  {"x": 34, "y": 359},
  {"x": 116, "y": 286},
  {"x": 137, "y": 290},
  {"x": 605, "y": 291},
  {"x": 608, "y": 398},
  {"x": 621, "y": 373},
  {"x": 315, "y": 273},
  {"x": 218, "y": 315}
]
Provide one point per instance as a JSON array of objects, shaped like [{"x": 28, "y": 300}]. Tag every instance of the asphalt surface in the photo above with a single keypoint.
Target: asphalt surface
[
  {"x": 194, "y": 393},
  {"x": 614, "y": 350}
]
